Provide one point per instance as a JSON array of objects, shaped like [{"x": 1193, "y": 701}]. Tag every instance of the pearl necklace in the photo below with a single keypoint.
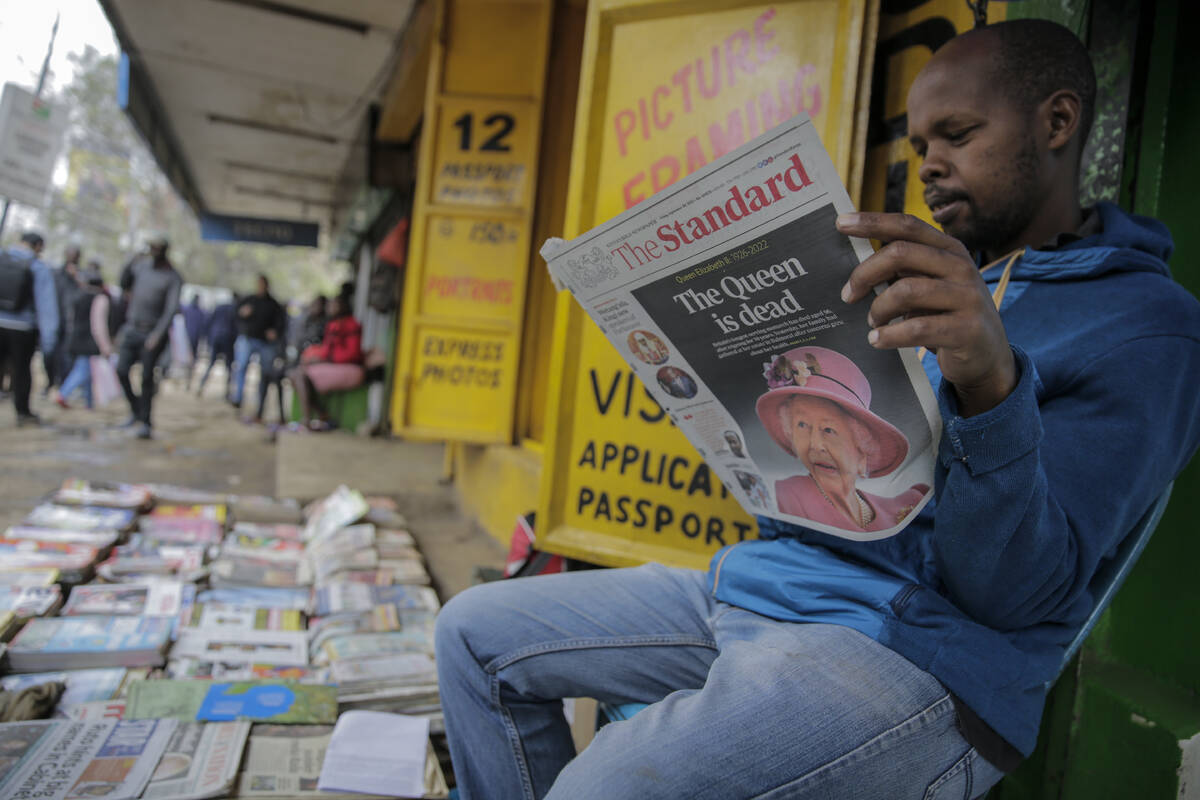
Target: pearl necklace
[{"x": 866, "y": 514}]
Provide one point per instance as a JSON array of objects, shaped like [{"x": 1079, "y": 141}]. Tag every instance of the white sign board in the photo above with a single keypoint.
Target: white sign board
[{"x": 31, "y": 133}]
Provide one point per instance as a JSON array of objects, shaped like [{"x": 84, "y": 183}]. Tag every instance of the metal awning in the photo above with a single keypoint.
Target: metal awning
[{"x": 255, "y": 107}]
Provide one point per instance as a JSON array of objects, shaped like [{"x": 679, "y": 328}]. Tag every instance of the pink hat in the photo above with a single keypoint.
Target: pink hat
[{"x": 820, "y": 372}]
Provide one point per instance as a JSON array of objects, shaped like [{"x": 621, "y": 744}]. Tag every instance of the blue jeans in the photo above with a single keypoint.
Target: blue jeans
[
  {"x": 80, "y": 377},
  {"x": 743, "y": 706},
  {"x": 244, "y": 349}
]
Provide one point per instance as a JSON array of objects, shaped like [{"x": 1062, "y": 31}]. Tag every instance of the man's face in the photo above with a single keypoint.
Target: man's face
[
  {"x": 981, "y": 165},
  {"x": 262, "y": 286}
]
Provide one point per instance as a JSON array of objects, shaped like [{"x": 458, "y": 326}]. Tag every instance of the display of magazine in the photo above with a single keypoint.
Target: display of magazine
[
  {"x": 262, "y": 596},
  {"x": 30, "y": 601},
  {"x": 73, "y": 561},
  {"x": 723, "y": 294},
  {"x": 239, "y": 646},
  {"x": 81, "y": 518},
  {"x": 394, "y": 669},
  {"x": 372, "y": 645},
  {"x": 183, "y": 495},
  {"x": 269, "y": 530},
  {"x": 96, "y": 709},
  {"x": 284, "y": 761},
  {"x": 263, "y": 547},
  {"x": 346, "y": 540},
  {"x": 324, "y": 568},
  {"x": 19, "y": 744},
  {"x": 385, "y": 573},
  {"x": 144, "y": 557},
  {"x": 184, "y": 668},
  {"x": 48, "y": 642},
  {"x": 260, "y": 701},
  {"x": 31, "y": 576},
  {"x": 101, "y": 539},
  {"x": 267, "y": 510},
  {"x": 380, "y": 619},
  {"x": 83, "y": 685},
  {"x": 345, "y": 596},
  {"x": 194, "y": 524},
  {"x": 158, "y": 599},
  {"x": 344, "y": 507},
  {"x": 201, "y": 761},
  {"x": 79, "y": 759},
  {"x": 219, "y": 616},
  {"x": 241, "y": 571},
  {"x": 101, "y": 493}
]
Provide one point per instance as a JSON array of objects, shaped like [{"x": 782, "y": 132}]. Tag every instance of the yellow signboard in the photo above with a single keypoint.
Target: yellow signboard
[
  {"x": 667, "y": 88},
  {"x": 465, "y": 287}
]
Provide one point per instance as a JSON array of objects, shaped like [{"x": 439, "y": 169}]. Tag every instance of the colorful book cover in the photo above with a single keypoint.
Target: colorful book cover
[
  {"x": 29, "y": 601},
  {"x": 272, "y": 531},
  {"x": 102, "y": 493},
  {"x": 71, "y": 635},
  {"x": 159, "y": 599},
  {"x": 259, "y": 701},
  {"x": 41, "y": 533},
  {"x": 81, "y": 518},
  {"x": 57, "y": 555},
  {"x": 216, "y": 616}
]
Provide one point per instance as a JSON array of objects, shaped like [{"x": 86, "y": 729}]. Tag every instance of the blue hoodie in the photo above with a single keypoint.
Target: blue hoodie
[{"x": 987, "y": 587}]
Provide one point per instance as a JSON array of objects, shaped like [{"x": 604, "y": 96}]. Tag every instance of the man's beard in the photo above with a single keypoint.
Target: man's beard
[{"x": 1014, "y": 209}]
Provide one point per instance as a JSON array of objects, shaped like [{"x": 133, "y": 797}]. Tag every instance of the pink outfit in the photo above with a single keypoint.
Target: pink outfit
[
  {"x": 327, "y": 377},
  {"x": 99, "y": 323},
  {"x": 800, "y": 496}
]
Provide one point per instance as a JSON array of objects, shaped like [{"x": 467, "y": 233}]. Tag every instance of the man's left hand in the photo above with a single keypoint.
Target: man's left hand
[
  {"x": 152, "y": 342},
  {"x": 936, "y": 299}
]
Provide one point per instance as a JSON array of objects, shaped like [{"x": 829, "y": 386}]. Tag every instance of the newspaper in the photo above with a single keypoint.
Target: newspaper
[
  {"x": 284, "y": 761},
  {"x": 200, "y": 761},
  {"x": 105, "y": 758},
  {"x": 234, "y": 646},
  {"x": 723, "y": 294}
]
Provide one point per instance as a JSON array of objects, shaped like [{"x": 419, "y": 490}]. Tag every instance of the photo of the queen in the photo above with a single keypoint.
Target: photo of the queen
[{"x": 817, "y": 408}]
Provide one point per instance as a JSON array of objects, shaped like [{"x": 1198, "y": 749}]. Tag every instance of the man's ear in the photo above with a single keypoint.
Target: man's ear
[{"x": 1061, "y": 113}]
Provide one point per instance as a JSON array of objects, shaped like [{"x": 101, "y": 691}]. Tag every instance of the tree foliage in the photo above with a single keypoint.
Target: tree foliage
[{"x": 115, "y": 196}]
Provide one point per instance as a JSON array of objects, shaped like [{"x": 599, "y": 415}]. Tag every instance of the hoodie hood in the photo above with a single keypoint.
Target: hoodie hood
[{"x": 1126, "y": 243}]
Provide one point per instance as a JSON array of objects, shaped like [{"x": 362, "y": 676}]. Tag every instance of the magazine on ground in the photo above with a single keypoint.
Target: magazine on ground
[
  {"x": 259, "y": 701},
  {"x": 723, "y": 294}
]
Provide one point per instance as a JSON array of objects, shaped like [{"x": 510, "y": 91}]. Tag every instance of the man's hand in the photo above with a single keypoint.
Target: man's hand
[
  {"x": 244, "y": 311},
  {"x": 271, "y": 335},
  {"x": 937, "y": 299},
  {"x": 152, "y": 342}
]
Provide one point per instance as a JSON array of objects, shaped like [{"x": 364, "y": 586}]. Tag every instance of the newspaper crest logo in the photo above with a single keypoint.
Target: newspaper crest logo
[{"x": 592, "y": 268}]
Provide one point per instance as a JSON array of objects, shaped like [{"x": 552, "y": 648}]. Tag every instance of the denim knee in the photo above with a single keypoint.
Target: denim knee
[{"x": 456, "y": 622}]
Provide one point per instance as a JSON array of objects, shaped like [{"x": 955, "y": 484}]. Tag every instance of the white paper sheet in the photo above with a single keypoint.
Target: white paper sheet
[{"x": 376, "y": 753}]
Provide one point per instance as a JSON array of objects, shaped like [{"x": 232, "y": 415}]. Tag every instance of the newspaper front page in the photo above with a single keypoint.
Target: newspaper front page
[
  {"x": 723, "y": 294},
  {"x": 200, "y": 761},
  {"x": 106, "y": 758}
]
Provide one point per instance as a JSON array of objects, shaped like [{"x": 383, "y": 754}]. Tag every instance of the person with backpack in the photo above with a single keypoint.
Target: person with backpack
[
  {"x": 28, "y": 307},
  {"x": 66, "y": 284},
  {"x": 89, "y": 336}
]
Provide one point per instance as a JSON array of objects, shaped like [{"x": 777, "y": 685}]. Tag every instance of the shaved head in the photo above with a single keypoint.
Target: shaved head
[{"x": 1034, "y": 58}]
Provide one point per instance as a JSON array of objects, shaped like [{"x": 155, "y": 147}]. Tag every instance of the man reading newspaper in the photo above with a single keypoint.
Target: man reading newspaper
[{"x": 807, "y": 665}]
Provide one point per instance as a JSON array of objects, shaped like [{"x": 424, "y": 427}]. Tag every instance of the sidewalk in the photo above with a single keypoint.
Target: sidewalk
[{"x": 200, "y": 442}]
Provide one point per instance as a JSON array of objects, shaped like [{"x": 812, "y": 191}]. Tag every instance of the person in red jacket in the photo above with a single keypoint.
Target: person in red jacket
[{"x": 334, "y": 365}]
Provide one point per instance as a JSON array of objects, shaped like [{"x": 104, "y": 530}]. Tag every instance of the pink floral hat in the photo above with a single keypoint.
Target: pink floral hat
[{"x": 824, "y": 373}]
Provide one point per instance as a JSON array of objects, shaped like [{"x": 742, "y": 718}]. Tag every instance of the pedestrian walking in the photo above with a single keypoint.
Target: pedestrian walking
[
  {"x": 195, "y": 320},
  {"x": 222, "y": 332},
  {"x": 153, "y": 286},
  {"x": 28, "y": 307},
  {"x": 66, "y": 284},
  {"x": 261, "y": 326},
  {"x": 89, "y": 337}
]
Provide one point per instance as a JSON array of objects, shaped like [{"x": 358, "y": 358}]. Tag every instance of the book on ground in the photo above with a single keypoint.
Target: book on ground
[
  {"x": 259, "y": 701},
  {"x": 76, "y": 642},
  {"x": 158, "y": 599}
]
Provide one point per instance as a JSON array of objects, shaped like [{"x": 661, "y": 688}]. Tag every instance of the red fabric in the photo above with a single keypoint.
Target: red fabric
[
  {"x": 341, "y": 343},
  {"x": 394, "y": 247}
]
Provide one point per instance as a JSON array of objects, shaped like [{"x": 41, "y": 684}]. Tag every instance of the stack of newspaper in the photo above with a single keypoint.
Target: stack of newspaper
[{"x": 191, "y": 669}]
